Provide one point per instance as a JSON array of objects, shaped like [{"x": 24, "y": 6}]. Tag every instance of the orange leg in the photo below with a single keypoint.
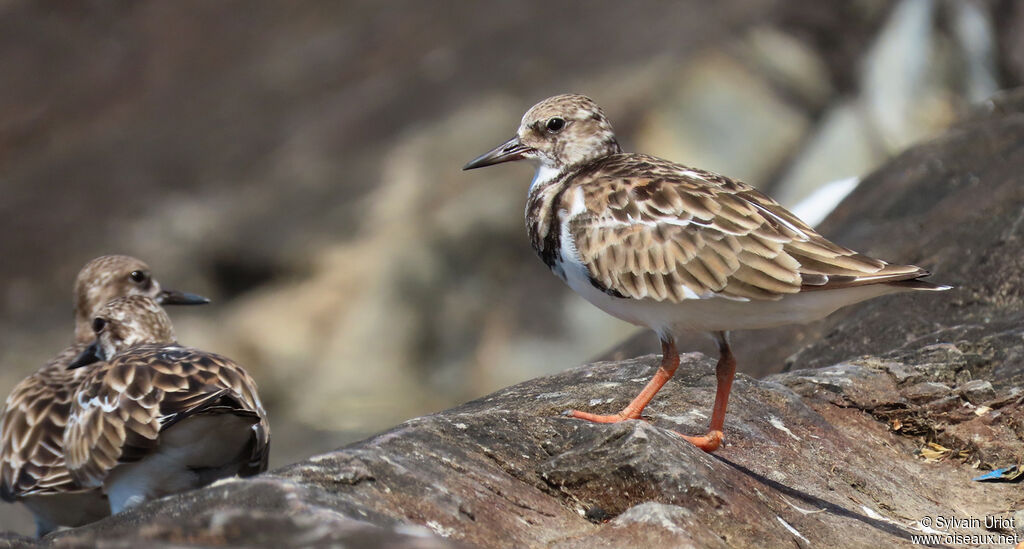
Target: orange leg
[
  {"x": 724, "y": 371},
  {"x": 669, "y": 363}
]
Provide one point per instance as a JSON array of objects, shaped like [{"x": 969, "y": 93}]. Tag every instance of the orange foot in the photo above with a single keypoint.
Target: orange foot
[
  {"x": 709, "y": 442},
  {"x": 597, "y": 418}
]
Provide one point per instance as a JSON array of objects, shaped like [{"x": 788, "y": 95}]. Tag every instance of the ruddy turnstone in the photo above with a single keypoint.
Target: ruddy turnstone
[
  {"x": 674, "y": 248},
  {"x": 32, "y": 468},
  {"x": 155, "y": 418}
]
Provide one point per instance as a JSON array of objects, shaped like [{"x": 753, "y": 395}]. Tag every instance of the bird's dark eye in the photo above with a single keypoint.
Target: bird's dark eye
[
  {"x": 555, "y": 124},
  {"x": 138, "y": 276},
  {"x": 98, "y": 324}
]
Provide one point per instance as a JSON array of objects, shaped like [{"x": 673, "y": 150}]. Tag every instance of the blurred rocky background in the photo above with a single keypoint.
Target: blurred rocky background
[{"x": 299, "y": 163}]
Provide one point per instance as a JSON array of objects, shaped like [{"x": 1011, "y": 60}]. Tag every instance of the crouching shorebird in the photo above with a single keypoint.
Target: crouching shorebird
[
  {"x": 674, "y": 248},
  {"x": 32, "y": 466},
  {"x": 156, "y": 418}
]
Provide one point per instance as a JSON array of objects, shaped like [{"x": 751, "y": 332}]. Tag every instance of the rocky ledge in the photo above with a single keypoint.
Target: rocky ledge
[{"x": 863, "y": 451}]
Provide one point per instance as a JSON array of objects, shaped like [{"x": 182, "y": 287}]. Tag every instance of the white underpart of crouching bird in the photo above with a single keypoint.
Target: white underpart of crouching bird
[{"x": 202, "y": 442}]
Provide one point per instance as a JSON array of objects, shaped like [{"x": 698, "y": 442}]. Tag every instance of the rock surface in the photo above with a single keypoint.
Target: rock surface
[
  {"x": 807, "y": 459},
  {"x": 858, "y": 453}
]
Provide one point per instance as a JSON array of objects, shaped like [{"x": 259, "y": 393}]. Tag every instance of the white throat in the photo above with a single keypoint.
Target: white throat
[{"x": 545, "y": 174}]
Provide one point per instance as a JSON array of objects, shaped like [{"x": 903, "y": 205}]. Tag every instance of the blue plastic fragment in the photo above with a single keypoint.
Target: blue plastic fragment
[{"x": 1006, "y": 474}]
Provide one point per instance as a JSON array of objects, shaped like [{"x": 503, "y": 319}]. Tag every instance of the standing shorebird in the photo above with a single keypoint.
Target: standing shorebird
[
  {"x": 156, "y": 418},
  {"x": 674, "y": 248},
  {"x": 32, "y": 466}
]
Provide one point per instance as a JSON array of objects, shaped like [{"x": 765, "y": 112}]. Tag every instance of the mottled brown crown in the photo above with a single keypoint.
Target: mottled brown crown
[
  {"x": 103, "y": 279},
  {"x": 584, "y": 135},
  {"x": 126, "y": 322}
]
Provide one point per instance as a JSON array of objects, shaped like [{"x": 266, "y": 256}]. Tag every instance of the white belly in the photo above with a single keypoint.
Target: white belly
[{"x": 199, "y": 442}]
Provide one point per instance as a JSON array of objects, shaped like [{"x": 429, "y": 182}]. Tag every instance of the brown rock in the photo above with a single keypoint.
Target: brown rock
[
  {"x": 508, "y": 470},
  {"x": 977, "y": 391}
]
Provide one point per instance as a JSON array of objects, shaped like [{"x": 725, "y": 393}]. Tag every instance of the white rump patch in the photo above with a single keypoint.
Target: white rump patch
[{"x": 814, "y": 208}]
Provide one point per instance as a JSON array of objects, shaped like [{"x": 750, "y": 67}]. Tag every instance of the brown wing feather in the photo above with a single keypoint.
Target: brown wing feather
[
  {"x": 670, "y": 233},
  {"x": 32, "y": 429},
  {"x": 123, "y": 408}
]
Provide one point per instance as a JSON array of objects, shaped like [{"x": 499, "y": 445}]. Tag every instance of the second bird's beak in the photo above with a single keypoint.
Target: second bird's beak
[
  {"x": 506, "y": 152},
  {"x": 88, "y": 356},
  {"x": 174, "y": 297}
]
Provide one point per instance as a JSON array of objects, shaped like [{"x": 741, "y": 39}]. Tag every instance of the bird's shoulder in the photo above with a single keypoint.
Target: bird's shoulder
[
  {"x": 168, "y": 370},
  {"x": 651, "y": 187}
]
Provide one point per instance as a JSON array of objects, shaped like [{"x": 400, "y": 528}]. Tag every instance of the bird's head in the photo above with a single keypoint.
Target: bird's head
[{"x": 559, "y": 133}]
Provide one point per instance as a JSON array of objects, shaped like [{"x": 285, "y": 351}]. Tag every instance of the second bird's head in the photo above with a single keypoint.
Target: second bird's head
[{"x": 111, "y": 276}]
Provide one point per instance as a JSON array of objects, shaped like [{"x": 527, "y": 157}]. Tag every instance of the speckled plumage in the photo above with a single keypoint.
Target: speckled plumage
[
  {"x": 32, "y": 427},
  {"x": 646, "y": 229},
  {"x": 32, "y": 461},
  {"x": 675, "y": 248},
  {"x": 148, "y": 386}
]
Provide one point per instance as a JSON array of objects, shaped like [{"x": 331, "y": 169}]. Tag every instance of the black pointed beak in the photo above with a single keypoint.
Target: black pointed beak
[
  {"x": 174, "y": 297},
  {"x": 90, "y": 355},
  {"x": 506, "y": 152}
]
